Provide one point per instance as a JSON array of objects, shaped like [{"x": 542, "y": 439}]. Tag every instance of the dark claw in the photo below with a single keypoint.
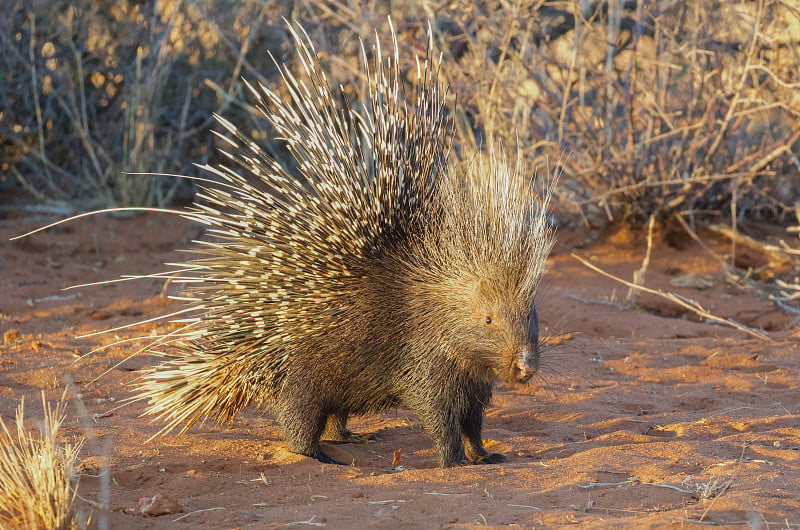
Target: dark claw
[{"x": 491, "y": 458}]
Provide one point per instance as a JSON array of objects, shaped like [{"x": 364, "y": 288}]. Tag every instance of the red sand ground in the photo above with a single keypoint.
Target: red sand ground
[{"x": 643, "y": 417}]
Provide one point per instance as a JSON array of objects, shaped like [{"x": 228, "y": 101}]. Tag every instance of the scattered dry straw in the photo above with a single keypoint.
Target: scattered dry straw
[
  {"x": 36, "y": 473},
  {"x": 686, "y": 303}
]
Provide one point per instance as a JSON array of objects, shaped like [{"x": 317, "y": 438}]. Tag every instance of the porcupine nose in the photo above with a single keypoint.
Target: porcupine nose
[{"x": 525, "y": 365}]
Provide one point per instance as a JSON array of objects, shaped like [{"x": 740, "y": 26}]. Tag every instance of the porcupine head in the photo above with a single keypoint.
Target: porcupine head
[
  {"x": 489, "y": 252},
  {"x": 376, "y": 276}
]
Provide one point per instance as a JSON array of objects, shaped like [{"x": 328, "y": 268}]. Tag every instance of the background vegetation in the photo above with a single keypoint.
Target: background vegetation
[{"x": 646, "y": 107}]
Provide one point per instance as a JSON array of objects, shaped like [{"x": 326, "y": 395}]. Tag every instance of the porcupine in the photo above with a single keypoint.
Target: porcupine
[{"x": 374, "y": 275}]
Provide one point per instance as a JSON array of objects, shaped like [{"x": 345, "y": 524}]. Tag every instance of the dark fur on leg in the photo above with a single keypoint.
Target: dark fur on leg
[
  {"x": 472, "y": 426},
  {"x": 303, "y": 424}
]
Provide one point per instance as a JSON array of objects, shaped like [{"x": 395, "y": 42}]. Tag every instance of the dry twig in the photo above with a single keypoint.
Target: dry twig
[{"x": 686, "y": 303}]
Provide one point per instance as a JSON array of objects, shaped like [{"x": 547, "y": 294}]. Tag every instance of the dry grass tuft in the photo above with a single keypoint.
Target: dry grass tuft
[{"x": 36, "y": 473}]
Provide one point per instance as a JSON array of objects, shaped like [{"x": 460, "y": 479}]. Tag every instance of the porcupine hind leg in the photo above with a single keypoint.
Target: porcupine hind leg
[
  {"x": 471, "y": 427},
  {"x": 336, "y": 431},
  {"x": 303, "y": 423}
]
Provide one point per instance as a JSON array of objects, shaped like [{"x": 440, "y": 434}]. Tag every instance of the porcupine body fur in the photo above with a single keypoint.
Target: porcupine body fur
[{"x": 372, "y": 276}]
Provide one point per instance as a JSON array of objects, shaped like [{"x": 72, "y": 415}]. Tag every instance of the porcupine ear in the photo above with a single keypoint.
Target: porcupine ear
[{"x": 486, "y": 289}]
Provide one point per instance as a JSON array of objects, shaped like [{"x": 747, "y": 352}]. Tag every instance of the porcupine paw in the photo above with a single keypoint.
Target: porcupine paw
[
  {"x": 476, "y": 453},
  {"x": 325, "y": 459},
  {"x": 454, "y": 459},
  {"x": 311, "y": 449},
  {"x": 337, "y": 432},
  {"x": 317, "y": 454},
  {"x": 490, "y": 458},
  {"x": 347, "y": 437}
]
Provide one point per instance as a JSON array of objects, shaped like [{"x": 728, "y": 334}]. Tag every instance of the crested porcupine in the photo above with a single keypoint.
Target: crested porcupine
[{"x": 373, "y": 275}]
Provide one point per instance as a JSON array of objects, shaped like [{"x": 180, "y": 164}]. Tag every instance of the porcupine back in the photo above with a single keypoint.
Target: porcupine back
[
  {"x": 287, "y": 256},
  {"x": 353, "y": 284}
]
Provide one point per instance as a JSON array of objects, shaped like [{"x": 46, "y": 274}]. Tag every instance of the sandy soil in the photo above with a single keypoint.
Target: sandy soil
[{"x": 641, "y": 418}]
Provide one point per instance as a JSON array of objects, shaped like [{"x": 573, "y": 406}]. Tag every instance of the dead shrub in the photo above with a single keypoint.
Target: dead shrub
[{"x": 662, "y": 107}]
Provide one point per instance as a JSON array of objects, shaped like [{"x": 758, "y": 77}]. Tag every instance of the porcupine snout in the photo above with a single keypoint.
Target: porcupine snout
[{"x": 526, "y": 363}]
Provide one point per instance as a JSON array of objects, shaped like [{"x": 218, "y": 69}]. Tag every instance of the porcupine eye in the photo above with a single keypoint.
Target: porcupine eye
[{"x": 488, "y": 320}]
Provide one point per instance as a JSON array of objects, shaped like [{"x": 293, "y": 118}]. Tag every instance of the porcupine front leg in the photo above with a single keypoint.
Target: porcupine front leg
[
  {"x": 472, "y": 425},
  {"x": 441, "y": 422},
  {"x": 443, "y": 429}
]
